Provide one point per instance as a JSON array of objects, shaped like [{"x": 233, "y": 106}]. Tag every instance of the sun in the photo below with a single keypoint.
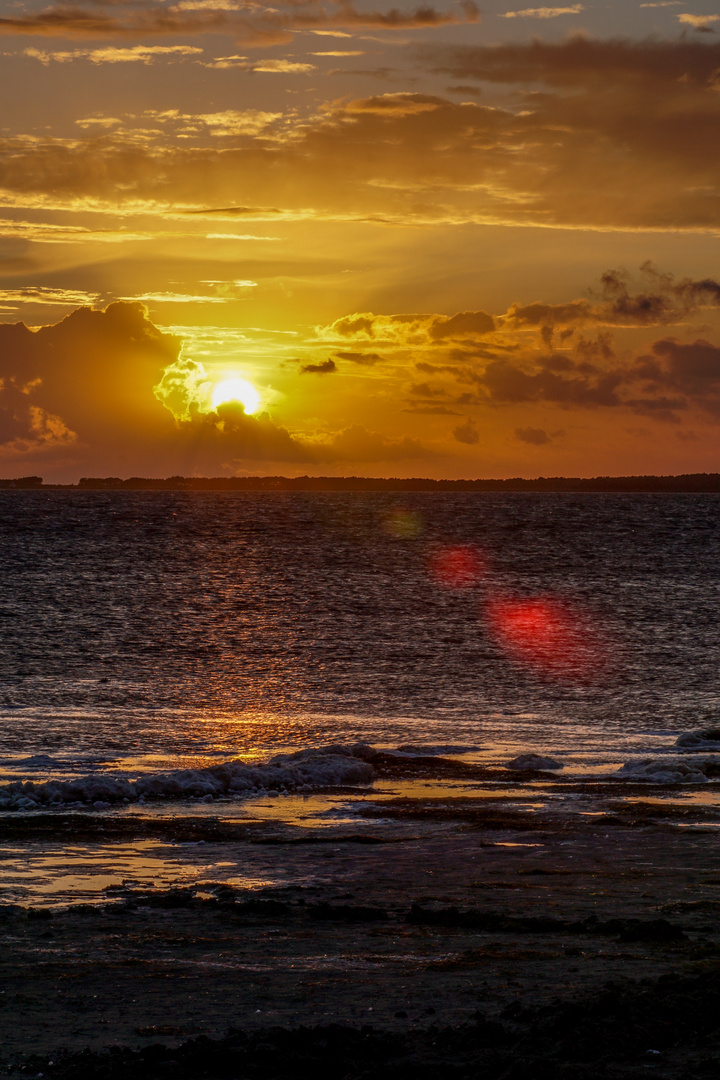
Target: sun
[{"x": 236, "y": 390}]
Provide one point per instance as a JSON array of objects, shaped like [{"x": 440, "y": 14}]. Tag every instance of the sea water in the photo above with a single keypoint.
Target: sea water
[{"x": 144, "y": 634}]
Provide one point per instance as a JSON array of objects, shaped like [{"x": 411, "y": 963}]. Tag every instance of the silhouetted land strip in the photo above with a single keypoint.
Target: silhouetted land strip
[{"x": 686, "y": 482}]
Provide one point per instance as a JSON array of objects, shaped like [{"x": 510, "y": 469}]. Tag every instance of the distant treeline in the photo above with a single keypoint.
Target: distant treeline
[{"x": 688, "y": 482}]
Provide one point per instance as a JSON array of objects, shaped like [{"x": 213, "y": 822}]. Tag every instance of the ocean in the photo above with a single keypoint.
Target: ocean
[{"x": 299, "y": 661}]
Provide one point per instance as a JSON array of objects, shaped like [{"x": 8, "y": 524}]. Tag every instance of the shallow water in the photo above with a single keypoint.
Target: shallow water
[{"x": 145, "y": 632}]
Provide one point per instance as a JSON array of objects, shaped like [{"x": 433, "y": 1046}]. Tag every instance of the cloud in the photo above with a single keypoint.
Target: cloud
[
  {"x": 639, "y": 148},
  {"x": 398, "y": 104},
  {"x": 365, "y": 358},
  {"x": 283, "y": 67},
  {"x": 432, "y": 410},
  {"x": 46, "y": 296},
  {"x": 356, "y": 443},
  {"x": 699, "y": 22},
  {"x": 654, "y": 298},
  {"x": 583, "y": 62},
  {"x": 532, "y": 436},
  {"x": 327, "y": 367},
  {"x": 556, "y": 379},
  {"x": 228, "y": 122},
  {"x": 106, "y": 391},
  {"x": 649, "y": 298},
  {"x": 229, "y": 435},
  {"x": 692, "y": 368},
  {"x": 562, "y": 355},
  {"x": 466, "y": 324},
  {"x": 175, "y": 298},
  {"x": 26, "y": 428},
  {"x": 670, "y": 379},
  {"x": 411, "y": 329},
  {"x": 425, "y": 390},
  {"x": 467, "y": 433},
  {"x": 137, "y": 54},
  {"x": 90, "y": 374},
  {"x": 239, "y": 236},
  {"x": 252, "y": 24},
  {"x": 543, "y": 12}
]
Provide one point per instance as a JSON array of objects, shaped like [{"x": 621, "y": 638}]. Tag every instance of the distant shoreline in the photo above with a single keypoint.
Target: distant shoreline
[{"x": 689, "y": 483}]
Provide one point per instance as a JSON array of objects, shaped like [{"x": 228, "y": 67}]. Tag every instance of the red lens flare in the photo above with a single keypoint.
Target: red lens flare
[
  {"x": 457, "y": 567},
  {"x": 546, "y": 634}
]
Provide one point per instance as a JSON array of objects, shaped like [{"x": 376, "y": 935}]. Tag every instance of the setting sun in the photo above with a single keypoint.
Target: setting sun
[{"x": 236, "y": 390}]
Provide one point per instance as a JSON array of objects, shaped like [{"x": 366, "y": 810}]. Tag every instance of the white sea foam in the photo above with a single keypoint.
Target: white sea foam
[
  {"x": 530, "y": 762},
  {"x": 670, "y": 770},
  {"x": 304, "y": 771}
]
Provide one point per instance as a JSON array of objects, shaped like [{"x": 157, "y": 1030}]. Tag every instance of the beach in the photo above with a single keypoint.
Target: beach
[
  {"x": 334, "y": 785},
  {"x": 533, "y": 942}
]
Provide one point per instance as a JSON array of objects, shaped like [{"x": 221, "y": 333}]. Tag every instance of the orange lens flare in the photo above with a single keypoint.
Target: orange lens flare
[
  {"x": 546, "y": 634},
  {"x": 457, "y": 567}
]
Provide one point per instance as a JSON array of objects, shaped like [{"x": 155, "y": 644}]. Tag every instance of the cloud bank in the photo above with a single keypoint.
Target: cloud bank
[{"x": 594, "y": 134}]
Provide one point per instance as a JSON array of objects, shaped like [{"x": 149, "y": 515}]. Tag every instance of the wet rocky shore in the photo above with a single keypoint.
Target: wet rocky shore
[{"x": 572, "y": 948}]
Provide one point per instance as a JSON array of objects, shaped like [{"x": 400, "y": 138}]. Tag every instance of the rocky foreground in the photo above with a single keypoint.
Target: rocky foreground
[{"x": 583, "y": 949}]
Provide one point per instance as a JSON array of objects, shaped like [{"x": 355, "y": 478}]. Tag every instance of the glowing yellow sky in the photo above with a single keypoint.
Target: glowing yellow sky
[{"x": 436, "y": 242}]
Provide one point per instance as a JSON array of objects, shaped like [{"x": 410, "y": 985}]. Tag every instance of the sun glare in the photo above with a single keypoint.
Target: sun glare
[{"x": 236, "y": 390}]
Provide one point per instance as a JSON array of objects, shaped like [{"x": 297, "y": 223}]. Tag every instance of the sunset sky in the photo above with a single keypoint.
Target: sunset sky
[{"x": 437, "y": 241}]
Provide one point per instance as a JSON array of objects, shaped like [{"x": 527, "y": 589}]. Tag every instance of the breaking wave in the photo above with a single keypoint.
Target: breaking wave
[
  {"x": 670, "y": 771},
  {"x": 700, "y": 739},
  {"x": 302, "y": 772}
]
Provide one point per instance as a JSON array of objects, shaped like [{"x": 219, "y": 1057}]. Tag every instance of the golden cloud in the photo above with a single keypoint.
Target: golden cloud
[
  {"x": 543, "y": 12},
  {"x": 640, "y": 148},
  {"x": 252, "y": 24},
  {"x": 137, "y": 54}
]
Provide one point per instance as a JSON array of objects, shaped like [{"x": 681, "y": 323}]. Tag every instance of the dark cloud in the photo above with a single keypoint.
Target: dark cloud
[
  {"x": 93, "y": 369},
  {"x": 467, "y": 433},
  {"x": 400, "y": 103},
  {"x": 572, "y": 361},
  {"x": 366, "y": 358},
  {"x": 691, "y": 369},
  {"x": 228, "y": 435},
  {"x": 519, "y": 315},
  {"x": 327, "y": 367},
  {"x": 351, "y": 325},
  {"x": 651, "y": 298},
  {"x": 556, "y": 380},
  {"x": 356, "y": 443},
  {"x": 432, "y": 410},
  {"x": 661, "y": 384},
  {"x": 581, "y": 62},
  {"x": 533, "y": 436},
  {"x": 464, "y": 324},
  {"x": 695, "y": 366},
  {"x": 426, "y": 390},
  {"x": 432, "y": 369},
  {"x": 26, "y": 428},
  {"x": 663, "y": 300},
  {"x": 81, "y": 392},
  {"x": 663, "y": 409},
  {"x": 252, "y": 25}
]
